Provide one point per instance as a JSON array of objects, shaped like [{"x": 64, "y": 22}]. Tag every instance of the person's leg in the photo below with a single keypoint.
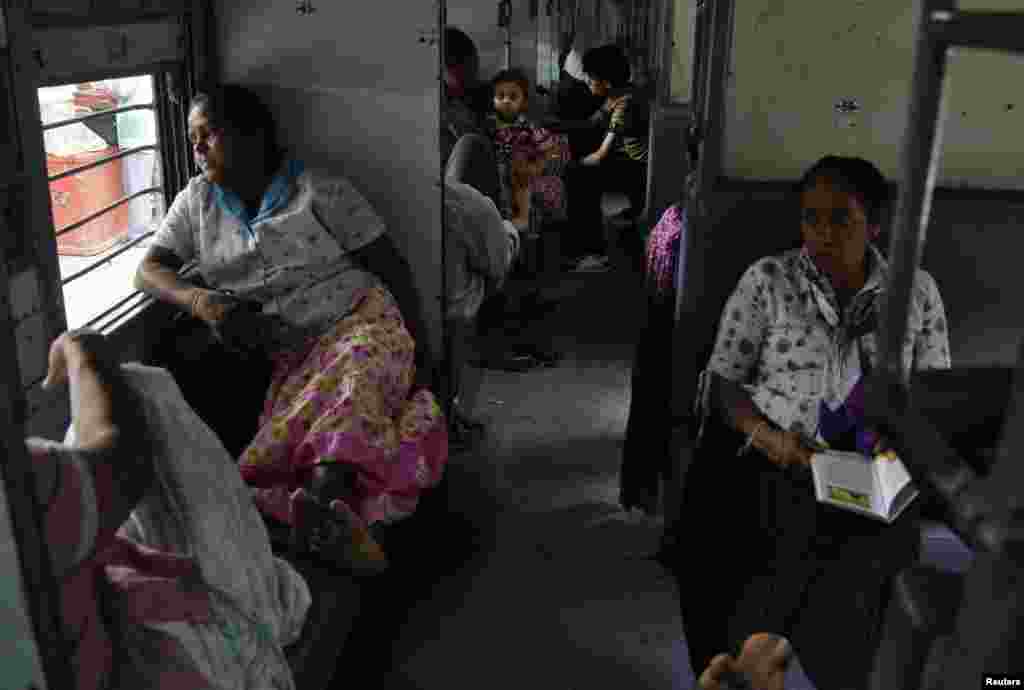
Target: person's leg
[
  {"x": 782, "y": 558},
  {"x": 842, "y": 614},
  {"x": 584, "y": 186}
]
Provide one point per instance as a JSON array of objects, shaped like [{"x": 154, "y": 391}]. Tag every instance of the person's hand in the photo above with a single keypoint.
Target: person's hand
[
  {"x": 788, "y": 448},
  {"x": 247, "y": 331},
  {"x": 70, "y": 347},
  {"x": 763, "y": 661},
  {"x": 883, "y": 450},
  {"x": 590, "y": 161},
  {"x": 212, "y": 307}
]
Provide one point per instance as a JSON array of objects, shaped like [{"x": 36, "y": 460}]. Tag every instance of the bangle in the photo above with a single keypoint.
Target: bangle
[{"x": 750, "y": 439}]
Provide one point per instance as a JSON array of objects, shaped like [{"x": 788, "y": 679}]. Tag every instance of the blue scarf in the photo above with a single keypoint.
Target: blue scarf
[{"x": 276, "y": 196}]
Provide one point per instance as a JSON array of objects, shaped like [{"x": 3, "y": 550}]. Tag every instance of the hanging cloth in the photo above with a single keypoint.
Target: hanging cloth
[{"x": 597, "y": 24}]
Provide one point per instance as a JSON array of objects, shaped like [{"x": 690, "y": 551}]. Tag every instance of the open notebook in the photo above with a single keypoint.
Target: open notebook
[{"x": 878, "y": 488}]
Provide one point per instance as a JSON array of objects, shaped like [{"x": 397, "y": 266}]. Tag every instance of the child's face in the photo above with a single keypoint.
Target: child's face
[{"x": 509, "y": 99}]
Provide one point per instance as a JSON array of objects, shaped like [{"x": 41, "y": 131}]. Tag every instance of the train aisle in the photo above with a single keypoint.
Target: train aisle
[{"x": 555, "y": 597}]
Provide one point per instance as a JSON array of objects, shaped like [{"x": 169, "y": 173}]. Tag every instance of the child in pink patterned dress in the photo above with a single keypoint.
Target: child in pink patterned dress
[{"x": 518, "y": 140}]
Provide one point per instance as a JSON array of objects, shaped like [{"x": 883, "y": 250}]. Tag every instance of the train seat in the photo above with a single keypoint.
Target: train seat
[{"x": 667, "y": 168}]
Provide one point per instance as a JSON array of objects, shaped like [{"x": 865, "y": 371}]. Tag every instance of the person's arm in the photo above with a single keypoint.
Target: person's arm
[
  {"x": 737, "y": 351},
  {"x": 602, "y": 152},
  {"x": 158, "y": 272},
  {"x": 617, "y": 120},
  {"x": 931, "y": 344},
  {"x": 781, "y": 446},
  {"x": 110, "y": 426}
]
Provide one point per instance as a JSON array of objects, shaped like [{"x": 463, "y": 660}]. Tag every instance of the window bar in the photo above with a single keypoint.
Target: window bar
[
  {"x": 117, "y": 317},
  {"x": 102, "y": 161},
  {"x": 93, "y": 116},
  {"x": 107, "y": 259},
  {"x": 1003, "y": 31},
  {"x": 124, "y": 200}
]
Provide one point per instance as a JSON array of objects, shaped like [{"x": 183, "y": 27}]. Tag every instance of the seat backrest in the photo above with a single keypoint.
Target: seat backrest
[
  {"x": 668, "y": 163},
  {"x": 743, "y": 225},
  {"x": 473, "y": 162}
]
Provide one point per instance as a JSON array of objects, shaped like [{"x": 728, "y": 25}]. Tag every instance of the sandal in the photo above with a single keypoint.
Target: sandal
[{"x": 335, "y": 535}]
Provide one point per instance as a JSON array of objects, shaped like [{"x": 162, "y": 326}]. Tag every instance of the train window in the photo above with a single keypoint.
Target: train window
[{"x": 103, "y": 155}]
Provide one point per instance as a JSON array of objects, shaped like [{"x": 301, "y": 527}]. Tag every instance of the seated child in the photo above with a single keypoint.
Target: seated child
[
  {"x": 620, "y": 162},
  {"x": 529, "y": 157},
  {"x": 626, "y": 116}
]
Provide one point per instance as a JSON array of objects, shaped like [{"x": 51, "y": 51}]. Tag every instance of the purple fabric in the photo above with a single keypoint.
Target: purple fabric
[
  {"x": 846, "y": 418},
  {"x": 663, "y": 249}
]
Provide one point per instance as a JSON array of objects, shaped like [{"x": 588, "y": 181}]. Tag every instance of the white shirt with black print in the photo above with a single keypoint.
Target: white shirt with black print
[{"x": 783, "y": 337}]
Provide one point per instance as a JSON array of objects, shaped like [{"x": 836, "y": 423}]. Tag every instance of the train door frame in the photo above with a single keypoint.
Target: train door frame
[
  {"x": 712, "y": 57},
  {"x": 39, "y": 584},
  {"x": 174, "y": 84}
]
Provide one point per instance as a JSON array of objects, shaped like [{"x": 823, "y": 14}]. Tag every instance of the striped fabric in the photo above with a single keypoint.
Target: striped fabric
[{"x": 631, "y": 120}]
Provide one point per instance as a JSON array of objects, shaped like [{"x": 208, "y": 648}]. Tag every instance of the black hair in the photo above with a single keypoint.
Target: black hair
[
  {"x": 608, "y": 63},
  {"x": 459, "y": 48},
  {"x": 515, "y": 76},
  {"x": 237, "y": 109},
  {"x": 855, "y": 176}
]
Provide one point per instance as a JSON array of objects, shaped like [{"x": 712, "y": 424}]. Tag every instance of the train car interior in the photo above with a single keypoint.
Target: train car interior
[{"x": 503, "y": 344}]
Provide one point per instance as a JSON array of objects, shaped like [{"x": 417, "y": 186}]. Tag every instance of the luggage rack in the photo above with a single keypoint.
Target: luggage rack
[{"x": 980, "y": 629}]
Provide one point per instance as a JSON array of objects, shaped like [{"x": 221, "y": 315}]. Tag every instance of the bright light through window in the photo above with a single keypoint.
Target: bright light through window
[{"x": 103, "y": 161}]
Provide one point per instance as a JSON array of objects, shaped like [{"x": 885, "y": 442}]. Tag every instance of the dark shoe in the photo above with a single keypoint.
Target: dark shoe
[{"x": 593, "y": 264}]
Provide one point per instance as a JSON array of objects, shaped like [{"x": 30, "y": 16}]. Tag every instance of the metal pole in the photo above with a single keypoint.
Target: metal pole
[
  {"x": 921, "y": 142},
  {"x": 694, "y": 255},
  {"x": 445, "y": 369}
]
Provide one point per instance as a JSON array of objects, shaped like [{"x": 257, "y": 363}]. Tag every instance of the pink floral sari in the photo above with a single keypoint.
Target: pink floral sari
[{"x": 347, "y": 397}]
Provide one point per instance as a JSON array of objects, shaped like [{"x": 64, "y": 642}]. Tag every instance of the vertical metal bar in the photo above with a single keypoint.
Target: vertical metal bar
[
  {"x": 693, "y": 252},
  {"x": 447, "y": 361},
  {"x": 37, "y": 578},
  {"x": 664, "y": 59},
  {"x": 921, "y": 143},
  {"x": 40, "y": 241}
]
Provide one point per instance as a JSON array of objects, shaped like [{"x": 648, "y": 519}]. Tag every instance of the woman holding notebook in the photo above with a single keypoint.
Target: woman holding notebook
[{"x": 796, "y": 340}]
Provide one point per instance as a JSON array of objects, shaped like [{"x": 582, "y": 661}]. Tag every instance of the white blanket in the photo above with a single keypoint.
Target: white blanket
[{"x": 200, "y": 507}]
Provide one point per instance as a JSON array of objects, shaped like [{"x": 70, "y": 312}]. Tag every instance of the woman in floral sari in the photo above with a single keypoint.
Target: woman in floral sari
[{"x": 304, "y": 275}]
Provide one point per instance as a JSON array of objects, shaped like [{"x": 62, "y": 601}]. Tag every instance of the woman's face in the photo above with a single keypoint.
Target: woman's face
[
  {"x": 509, "y": 99},
  {"x": 835, "y": 228},
  {"x": 209, "y": 146}
]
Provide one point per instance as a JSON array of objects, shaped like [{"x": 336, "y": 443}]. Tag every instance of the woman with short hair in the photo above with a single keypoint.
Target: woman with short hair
[{"x": 797, "y": 339}]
